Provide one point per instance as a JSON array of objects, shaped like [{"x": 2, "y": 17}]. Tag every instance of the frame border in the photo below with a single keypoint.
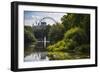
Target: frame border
[{"x": 14, "y": 35}]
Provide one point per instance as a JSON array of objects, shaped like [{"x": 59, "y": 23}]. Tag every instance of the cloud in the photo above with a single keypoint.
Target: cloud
[{"x": 31, "y": 17}]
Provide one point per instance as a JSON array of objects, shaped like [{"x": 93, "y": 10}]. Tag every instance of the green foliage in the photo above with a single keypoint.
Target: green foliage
[
  {"x": 29, "y": 40},
  {"x": 76, "y": 34},
  {"x": 76, "y": 20},
  {"x": 59, "y": 46},
  {"x": 73, "y": 31},
  {"x": 58, "y": 55},
  {"x": 29, "y": 28},
  {"x": 75, "y": 42},
  {"x": 28, "y": 36},
  {"x": 56, "y": 33},
  {"x": 83, "y": 50},
  {"x": 69, "y": 39},
  {"x": 47, "y": 30}
]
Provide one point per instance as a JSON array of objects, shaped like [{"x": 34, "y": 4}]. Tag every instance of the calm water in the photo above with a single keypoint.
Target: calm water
[
  {"x": 39, "y": 54},
  {"x": 36, "y": 56}
]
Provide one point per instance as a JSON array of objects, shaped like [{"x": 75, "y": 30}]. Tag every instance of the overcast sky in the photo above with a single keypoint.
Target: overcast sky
[{"x": 31, "y": 17}]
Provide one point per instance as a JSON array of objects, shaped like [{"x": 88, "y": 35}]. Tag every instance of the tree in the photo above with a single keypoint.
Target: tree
[
  {"x": 71, "y": 20},
  {"x": 29, "y": 40},
  {"x": 56, "y": 33},
  {"x": 29, "y": 37},
  {"x": 76, "y": 38}
]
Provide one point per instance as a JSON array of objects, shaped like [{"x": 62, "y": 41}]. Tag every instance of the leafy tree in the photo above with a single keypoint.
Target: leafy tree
[
  {"x": 77, "y": 20},
  {"x": 76, "y": 38},
  {"x": 83, "y": 51},
  {"x": 29, "y": 28},
  {"x": 76, "y": 34},
  {"x": 29, "y": 39},
  {"x": 59, "y": 46},
  {"x": 56, "y": 33}
]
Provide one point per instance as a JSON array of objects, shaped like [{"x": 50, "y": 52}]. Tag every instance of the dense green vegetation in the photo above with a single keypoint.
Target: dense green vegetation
[
  {"x": 74, "y": 42},
  {"x": 29, "y": 40},
  {"x": 68, "y": 40},
  {"x": 56, "y": 33}
]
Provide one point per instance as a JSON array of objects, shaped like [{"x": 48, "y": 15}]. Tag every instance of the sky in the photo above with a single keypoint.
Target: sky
[{"x": 33, "y": 17}]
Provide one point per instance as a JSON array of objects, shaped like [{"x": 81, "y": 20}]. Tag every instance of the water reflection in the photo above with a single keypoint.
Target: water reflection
[
  {"x": 36, "y": 56},
  {"x": 37, "y": 51}
]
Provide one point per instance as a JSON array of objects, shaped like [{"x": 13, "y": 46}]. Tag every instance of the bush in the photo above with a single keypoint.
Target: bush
[
  {"x": 28, "y": 37},
  {"x": 58, "y": 55},
  {"x": 59, "y": 46},
  {"x": 29, "y": 40},
  {"x": 69, "y": 47},
  {"x": 83, "y": 51},
  {"x": 56, "y": 33},
  {"x": 75, "y": 34}
]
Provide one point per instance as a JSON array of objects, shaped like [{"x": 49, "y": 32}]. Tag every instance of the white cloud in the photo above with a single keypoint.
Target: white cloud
[{"x": 37, "y": 16}]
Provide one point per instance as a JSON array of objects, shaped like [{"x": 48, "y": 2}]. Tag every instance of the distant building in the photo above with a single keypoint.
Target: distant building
[{"x": 41, "y": 25}]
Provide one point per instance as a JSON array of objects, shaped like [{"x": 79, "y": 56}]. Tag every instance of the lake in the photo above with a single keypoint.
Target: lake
[{"x": 36, "y": 56}]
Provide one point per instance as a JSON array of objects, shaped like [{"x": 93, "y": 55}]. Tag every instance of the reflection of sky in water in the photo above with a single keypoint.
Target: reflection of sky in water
[
  {"x": 36, "y": 56},
  {"x": 31, "y": 17}
]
